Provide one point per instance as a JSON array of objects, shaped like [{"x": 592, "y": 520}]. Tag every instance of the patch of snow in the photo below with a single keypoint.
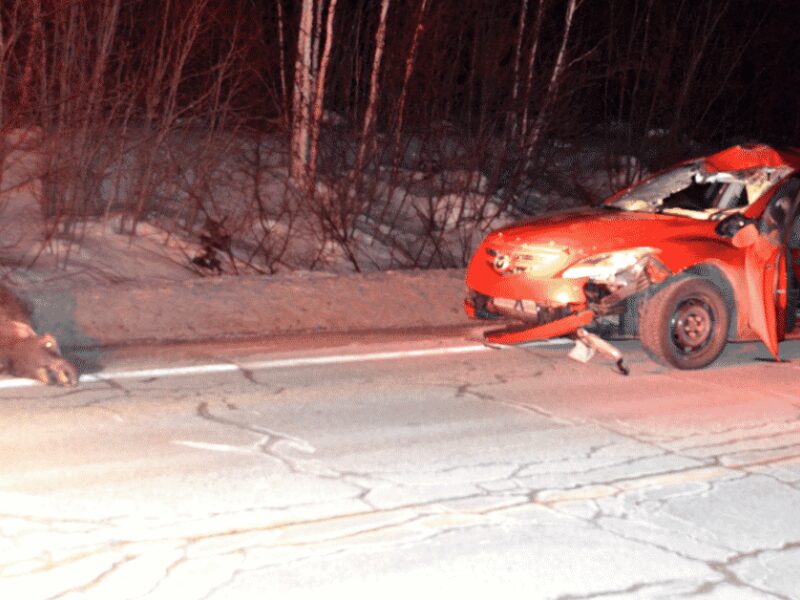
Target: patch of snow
[{"x": 240, "y": 189}]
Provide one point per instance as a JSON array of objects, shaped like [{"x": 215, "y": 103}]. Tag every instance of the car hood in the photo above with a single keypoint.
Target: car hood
[
  {"x": 515, "y": 262},
  {"x": 589, "y": 231}
]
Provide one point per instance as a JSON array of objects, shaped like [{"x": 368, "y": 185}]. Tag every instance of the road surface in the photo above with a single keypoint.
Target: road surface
[{"x": 402, "y": 468}]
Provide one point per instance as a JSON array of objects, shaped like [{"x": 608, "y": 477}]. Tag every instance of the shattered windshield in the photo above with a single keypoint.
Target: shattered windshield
[{"x": 689, "y": 190}]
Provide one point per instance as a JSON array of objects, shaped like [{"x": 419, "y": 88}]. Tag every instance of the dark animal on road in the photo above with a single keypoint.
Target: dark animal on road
[{"x": 23, "y": 353}]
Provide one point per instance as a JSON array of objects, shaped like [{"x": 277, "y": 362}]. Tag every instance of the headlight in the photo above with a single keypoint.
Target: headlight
[{"x": 605, "y": 266}]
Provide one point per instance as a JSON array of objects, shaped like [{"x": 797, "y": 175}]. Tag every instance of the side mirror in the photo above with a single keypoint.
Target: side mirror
[
  {"x": 728, "y": 226},
  {"x": 746, "y": 236}
]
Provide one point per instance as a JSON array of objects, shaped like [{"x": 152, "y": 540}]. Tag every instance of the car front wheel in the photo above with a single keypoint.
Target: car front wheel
[{"x": 685, "y": 324}]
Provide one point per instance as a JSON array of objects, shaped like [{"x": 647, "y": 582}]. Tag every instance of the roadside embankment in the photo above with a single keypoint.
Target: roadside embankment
[{"x": 230, "y": 308}]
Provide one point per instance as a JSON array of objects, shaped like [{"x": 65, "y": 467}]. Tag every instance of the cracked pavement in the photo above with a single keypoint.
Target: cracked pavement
[{"x": 513, "y": 472}]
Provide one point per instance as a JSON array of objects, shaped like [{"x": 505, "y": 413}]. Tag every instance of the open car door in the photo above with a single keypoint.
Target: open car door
[{"x": 765, "y": 271}]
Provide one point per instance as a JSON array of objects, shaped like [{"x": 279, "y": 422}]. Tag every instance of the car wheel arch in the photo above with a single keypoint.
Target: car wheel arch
[{"x": 711, "y": 272}]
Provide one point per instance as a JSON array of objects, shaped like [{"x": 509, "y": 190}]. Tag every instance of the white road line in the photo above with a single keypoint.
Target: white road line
[
  {"x": 286, "y": 363},
  {"x": 215, "y": 447}
]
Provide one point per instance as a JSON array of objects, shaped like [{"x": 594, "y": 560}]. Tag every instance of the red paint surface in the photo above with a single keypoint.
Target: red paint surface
[
  {"x": 540, "y": 332},
  {"x": 752, "y": 156}
]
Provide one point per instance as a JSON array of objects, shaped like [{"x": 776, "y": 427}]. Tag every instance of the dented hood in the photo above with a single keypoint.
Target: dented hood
[{"x": 590, "y": 231}]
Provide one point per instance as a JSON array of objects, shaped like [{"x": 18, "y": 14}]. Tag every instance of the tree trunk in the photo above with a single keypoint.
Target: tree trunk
[
  {"x": 35, "y": 47},
  {"x": 372, "y": 104},
  {"x": 531, "y": 65},
  {"x": 706, "y": 32},
  {"x": 552, "y": 87},
  {"x": 319, "y": 94},
  {"x": 3, "y": 71},
  {"x": 282, "y": 60},
  {"x": 410, "y": 60},
  {"x": 517, "y": 65},
  {"x": 302, "y": 94},
  {"x": 110, "y": 18}
]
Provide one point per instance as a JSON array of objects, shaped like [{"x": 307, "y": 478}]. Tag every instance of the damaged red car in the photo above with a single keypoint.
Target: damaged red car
[{"x": 700, "y": 254}]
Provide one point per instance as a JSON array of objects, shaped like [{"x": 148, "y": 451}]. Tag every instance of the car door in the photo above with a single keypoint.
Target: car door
[{"x": 766, "y": 264}]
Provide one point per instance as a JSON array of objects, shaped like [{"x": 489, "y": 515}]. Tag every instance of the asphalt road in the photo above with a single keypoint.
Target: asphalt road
[{"x": 293, "y": 471}]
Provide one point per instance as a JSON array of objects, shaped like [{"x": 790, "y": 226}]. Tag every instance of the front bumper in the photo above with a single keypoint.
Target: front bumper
[
  {"x": 529, "y": 320},
  {"x": 528, "y": 299},
  {"x": 540, "y": 301},
  {"x": 546, "y": 291},
  {"x": 559, "y": 327}
]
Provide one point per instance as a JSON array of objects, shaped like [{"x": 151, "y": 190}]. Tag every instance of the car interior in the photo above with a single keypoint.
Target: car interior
[{"x": 707, "y": 195}]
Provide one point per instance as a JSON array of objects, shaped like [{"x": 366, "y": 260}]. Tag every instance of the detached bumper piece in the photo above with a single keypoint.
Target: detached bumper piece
[
  {"x": 586, "y": 344},
  {"x": 520, "y": 335}
]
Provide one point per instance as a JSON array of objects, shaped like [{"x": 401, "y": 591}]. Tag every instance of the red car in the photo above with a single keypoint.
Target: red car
[{"x": 696, "y": 255}]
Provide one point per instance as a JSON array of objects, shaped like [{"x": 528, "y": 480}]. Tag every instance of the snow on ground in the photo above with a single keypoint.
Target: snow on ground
[
  {"x": 96, "y": 286},
  {"x": 253, "y": 219},
  {"x": 95, "y": 281}
]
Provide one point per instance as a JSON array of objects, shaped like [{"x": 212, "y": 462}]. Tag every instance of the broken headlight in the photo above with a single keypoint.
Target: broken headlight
[{"x": 604, "y": 267}]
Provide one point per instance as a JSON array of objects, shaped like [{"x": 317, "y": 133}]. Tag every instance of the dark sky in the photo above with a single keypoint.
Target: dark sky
[{"x": 710, "y": 70}]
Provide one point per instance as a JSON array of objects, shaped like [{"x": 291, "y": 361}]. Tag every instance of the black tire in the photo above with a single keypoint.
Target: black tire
[
  {"x": 792, "y": 294},
  {"x": 792, "y": 284},
  {"x": 685, "y": 323}
]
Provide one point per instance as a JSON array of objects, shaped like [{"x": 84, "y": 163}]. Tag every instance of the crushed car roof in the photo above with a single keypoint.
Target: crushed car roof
[{"x": 738, "y": 158}]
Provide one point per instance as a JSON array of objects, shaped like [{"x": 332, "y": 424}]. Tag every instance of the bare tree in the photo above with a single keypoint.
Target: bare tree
[
  {"x": 117, "y": 89},
  {"x": 33, "y": 57},
  {"x": 372, "y": 103},
  {"x": 704, "y": 32},
  {"x": 523, "y": 11},
  {"x": 319, "y": 94},
  {"x": 535, "y": 135},
  {"x": 419, "y": 28},
  {"x": 282, "y": 59},
  {"x": 301, "y": 103},
  {"x": 532, "y": 56}
]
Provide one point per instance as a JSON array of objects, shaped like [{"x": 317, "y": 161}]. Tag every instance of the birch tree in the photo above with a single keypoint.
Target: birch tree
[
  {"x": 301, "y": 99},
  {"x": 319, "y": 94},
  {"x": 372, "y": 103}
]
